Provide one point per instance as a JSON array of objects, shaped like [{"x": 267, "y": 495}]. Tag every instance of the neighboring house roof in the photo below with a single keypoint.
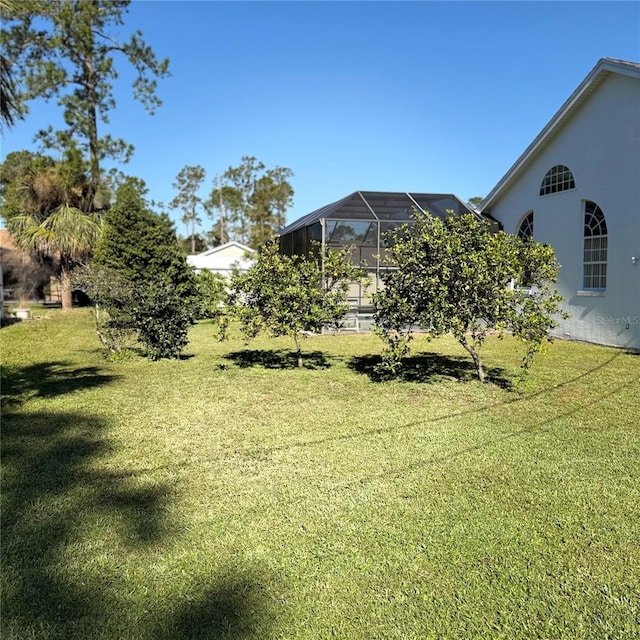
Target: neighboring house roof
[
  {"x": 604, "y": 68},
  {"x": 380, "y": 205},
  {"x": 223, "y": 258}
]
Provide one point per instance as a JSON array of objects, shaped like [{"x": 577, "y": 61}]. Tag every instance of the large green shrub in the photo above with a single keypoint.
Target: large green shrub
[
  {"x": 161, "y": 318},
  {"x": 156, "y": 294}
]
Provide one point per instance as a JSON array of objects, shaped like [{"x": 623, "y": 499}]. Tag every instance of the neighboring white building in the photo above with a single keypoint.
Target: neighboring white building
[
  {"x": 577, "y": 188},
  {"x": 224, "y": 259}
]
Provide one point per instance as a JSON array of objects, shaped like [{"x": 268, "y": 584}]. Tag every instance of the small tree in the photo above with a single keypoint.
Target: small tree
[
  {"x": 291, "y": 295},
  {"x": 162, "y": 318},
  {"x": 112, "y": 295},
  {"x": 156, "y": 295},
  {"x": 211, "y": 293},
  {"x": 456, "y": 276}
]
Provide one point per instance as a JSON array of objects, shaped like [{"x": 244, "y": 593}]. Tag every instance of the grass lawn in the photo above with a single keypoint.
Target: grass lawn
[{"x": 229, "y": 495}]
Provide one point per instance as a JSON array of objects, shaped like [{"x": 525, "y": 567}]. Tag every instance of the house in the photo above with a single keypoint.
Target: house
[
  {"x": 577, "y": 188},
  {"x": 22, "y": 277},
  {"x": 223, "y": 259}
]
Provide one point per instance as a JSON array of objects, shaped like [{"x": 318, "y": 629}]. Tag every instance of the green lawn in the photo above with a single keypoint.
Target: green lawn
[{"x": 229, "y": 495}]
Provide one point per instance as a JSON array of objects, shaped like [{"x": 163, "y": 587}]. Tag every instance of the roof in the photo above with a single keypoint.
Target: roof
[
  {"x": 604, "y": 68},
  {"x": 224, "y": 248},
  {"x": 381, "y": 205},
  {"x": 223, "y": 259}
]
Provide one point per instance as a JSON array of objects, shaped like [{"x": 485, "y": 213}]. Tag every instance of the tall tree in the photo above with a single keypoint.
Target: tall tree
[
  {"x": 188, "y": 183},
  {"x": 227, "y": 201},
  {"x": 66, "y": 49},
  {"x": 271, "y": 198},
  {"x": 243, "y": 178},
  {"x": 8, "y": 110},
  {"x": 252, "y": 201}
]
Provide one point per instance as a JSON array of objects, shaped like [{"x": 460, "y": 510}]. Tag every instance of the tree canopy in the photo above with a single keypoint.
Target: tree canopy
[
  {"x": 250, "y": 202},
  {"x": 43, "y": 204},
  {"x": 187, "y": 183},
  {"x": 140, "y": 275},
  {"x": 139, "y": 243},
  {"x": 67, "y": 50}
]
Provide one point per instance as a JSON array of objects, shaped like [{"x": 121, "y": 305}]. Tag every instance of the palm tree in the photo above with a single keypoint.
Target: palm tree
[{"x": 52, "y": 221}]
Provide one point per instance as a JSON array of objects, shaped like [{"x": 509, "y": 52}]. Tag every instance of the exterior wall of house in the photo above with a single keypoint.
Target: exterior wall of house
[{"x": 600, "y": 144}]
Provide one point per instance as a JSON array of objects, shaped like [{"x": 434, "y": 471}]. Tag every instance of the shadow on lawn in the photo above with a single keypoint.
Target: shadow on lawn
[
  {"x": 232, "y": 609},
  {"x": 47, "y": 380},
  {"x": 54, "y": 499},
  {"x": 65, "y": 515},
  {"x": 277, "y": 359},
  {"x": 429, "y": 368}
]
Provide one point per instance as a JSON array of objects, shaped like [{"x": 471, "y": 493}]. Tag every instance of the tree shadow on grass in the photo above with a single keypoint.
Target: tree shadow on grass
[
  {"x": 230, "y": 608},
  {"x": 58, "y": 506},
  {"x": 277, "y": 359},
  {"x": 48, "y": 380},
  {"x": 64, "y": 511},
  {"x": 429, "y": 368}
]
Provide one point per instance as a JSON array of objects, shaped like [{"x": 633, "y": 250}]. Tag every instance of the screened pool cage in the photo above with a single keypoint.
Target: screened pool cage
[{"x": 361, "y": 220}]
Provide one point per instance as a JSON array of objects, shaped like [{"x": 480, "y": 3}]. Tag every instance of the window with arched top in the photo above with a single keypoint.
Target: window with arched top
[
  {"x": 595, "y": 247},
  {"x": 525, "y": 230},
  {"x": 558, "y": 178}
]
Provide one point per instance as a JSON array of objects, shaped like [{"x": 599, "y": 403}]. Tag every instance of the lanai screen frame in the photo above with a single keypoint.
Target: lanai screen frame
[{"x": 377, "y": 208}]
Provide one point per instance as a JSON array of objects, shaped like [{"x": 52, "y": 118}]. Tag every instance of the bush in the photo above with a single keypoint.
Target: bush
[
  {"x": 162, "y": 319},
  {"x": 210, "y": 295}
]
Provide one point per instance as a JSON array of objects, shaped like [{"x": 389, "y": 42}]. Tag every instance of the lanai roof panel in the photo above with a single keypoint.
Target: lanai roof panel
[{"x": 380, "y": 205}]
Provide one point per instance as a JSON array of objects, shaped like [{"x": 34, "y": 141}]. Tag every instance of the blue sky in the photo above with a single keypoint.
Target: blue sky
[{"x": 388, "y": 96}]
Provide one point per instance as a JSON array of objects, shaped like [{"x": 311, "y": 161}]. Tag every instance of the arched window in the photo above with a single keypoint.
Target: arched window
[
  {"x": 595, "y": 247},
  {"x": 558, "y": 178},
  {"x": 525, "y": 231}
]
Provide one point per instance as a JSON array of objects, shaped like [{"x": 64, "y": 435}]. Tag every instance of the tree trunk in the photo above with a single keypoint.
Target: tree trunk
[
  {"x": 92, "y": 113},
  {"x": 299, "y": 351},
  {"x": 65, "y": 289},
  {"x": 193, "y": 231},
  {"x": 476, "y": 359}
]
